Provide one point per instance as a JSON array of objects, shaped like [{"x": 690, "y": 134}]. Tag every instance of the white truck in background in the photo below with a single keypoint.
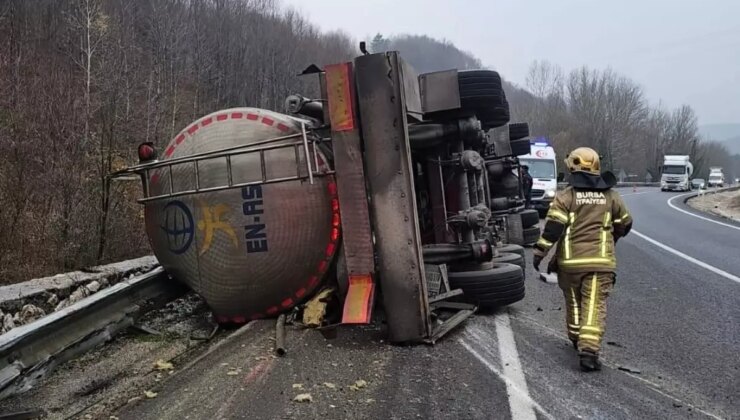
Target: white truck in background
[
  {"x": 676, "y": 173},
  {"x": 716, "y": 177}
]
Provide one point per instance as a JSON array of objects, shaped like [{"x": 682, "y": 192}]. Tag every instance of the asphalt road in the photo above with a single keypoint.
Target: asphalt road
[{"x": 672, "y": 352}]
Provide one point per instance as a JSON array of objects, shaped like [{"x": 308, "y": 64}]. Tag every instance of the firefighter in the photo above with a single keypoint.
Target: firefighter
[{"x": 585, "y": 220}]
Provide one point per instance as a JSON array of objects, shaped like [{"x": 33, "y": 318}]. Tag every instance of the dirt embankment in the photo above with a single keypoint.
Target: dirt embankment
[{"x": 724, "y": 204}]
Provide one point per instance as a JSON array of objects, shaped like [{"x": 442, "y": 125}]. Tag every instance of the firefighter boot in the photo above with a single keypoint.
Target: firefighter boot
[{"x": 589, "y": 361}]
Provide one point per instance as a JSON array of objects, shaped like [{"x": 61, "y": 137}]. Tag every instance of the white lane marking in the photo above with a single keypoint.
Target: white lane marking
[
  {"x": 635, "y": 193},
  {"x": 693, "y": 260},
  {"x": 521, "y": 404},
  {"x": 510, "y": 385},
  {"x": 670, "y": 203},
  {"x": 615, "y": 366}
]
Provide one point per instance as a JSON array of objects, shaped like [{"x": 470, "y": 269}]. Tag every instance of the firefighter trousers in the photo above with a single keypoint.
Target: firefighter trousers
[{"x": 585, "y": 297}]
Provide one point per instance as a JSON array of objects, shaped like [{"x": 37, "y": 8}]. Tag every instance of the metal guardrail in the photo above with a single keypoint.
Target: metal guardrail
[{"x": 30, "y": 352}]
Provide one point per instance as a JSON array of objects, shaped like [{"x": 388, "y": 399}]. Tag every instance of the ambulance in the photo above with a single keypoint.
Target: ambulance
[{"x": 543, "y": 169}]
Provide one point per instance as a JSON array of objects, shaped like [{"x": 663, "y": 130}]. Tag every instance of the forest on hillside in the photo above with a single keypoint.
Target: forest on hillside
[
  {"x": 83, "y": 82},
  {"x": 585, "y": 107}
]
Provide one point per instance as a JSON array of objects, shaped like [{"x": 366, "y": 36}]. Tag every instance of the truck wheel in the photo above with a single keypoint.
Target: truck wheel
[
  {"x": 482, "y": 94},
  {"x": 497, "y": 300},
  {"x": 499, "y": 276},
  {"x": 497, "y": 191},
  {"x": 531, "y": 235},
  {"x": 514, "y": 229},
  {"x": 512, "y": 248},
  {"x": 520, "y": 147},
  {"x": 518, "y": 131},
  {"x": 530, "y": 217},
  {"x": 506, "y": 186},
  {"x": 499, "y": 286},
  {"x": 510, "y": 258}
]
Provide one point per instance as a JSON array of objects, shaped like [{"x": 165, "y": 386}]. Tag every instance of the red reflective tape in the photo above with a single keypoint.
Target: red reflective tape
[
  {"x": 207, "y": 121},
  {"x": 334, "y": 234},
  {"x": 253, "y": 117},
  {"x": 287, "y": 303},
  {"x": 332, "y": 189},
  {"x": 334, "y": 205},
  {"x": 170, "y": 150},
  {"x": 313, "y": 281},
  {"x": 268, "y": 121},
  {"x": 221, "y": 117},
  {"x": 239, "y": 319},
  {"x": 322, "y": 266},
  {"x": 335, "y": 220},
  {"x": 330, "y": 250},
  {"x": 272, "y": 310},
  {"x": 283, "y": 127},
  {"x": 301, "y": 292},
  {"x": 193, "y": 128},
  {"x": 236, "y": 115},
  {"x": 180, "y": 139}
]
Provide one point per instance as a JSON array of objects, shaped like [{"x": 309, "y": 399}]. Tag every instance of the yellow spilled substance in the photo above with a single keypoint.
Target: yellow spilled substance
[{"x": 315, "y": 309}]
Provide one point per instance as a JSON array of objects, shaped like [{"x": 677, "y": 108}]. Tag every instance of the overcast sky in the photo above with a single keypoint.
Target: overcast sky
[{"x": 680, "y": 51}]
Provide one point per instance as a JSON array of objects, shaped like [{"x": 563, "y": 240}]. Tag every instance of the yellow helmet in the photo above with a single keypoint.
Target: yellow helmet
[{"x": 583, "y": 159}]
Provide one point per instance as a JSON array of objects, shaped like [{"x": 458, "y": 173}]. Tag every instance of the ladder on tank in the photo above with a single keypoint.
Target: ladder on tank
[{"x": 152, "y": 172}]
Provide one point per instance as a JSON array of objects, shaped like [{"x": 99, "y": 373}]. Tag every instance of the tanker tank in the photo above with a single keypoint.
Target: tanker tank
[{"x": 257, "y": 237}]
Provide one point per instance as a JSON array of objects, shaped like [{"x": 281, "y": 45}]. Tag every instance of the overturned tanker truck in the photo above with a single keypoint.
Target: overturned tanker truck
[{"x": 379, "y": 187}]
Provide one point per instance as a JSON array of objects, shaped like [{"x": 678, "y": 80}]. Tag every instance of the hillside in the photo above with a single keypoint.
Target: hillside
[
  {"x": 732, "y": 144},
  {"x": 149, "y": 68},
  {"x": 720, "y": 131},
  {"x": 727, "y": 134},
  {"x": 427, "y": 54}
]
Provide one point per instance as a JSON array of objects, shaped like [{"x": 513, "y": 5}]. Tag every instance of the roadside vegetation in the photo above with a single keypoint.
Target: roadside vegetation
[{"x": 83, "y": 82}]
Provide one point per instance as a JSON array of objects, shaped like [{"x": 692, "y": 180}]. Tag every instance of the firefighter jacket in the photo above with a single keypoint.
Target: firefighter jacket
[{"x": 585, "y": 220}]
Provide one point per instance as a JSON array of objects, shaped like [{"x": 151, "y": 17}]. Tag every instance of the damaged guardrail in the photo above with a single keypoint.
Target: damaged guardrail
[{"x": 29, "y": 352}]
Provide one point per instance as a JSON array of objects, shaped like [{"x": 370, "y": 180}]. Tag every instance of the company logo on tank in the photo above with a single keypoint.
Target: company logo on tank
[
  {"x": 212, "y": 222},
  {"x": 178, "y": 225}
]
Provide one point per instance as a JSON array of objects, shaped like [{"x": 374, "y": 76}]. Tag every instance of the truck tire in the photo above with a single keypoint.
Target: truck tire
[
  {"x": 497, "y": 168},
  {"x": 530, "y": 217},
  {"x": 510, "y": 258},
  {"x": 503, "y": 204},
  {"x": 473, "y": 74},
  {"x": 499, "y": 276},
  {"x": 530, "y": 235},
  {"x": 497, "y": 191},
  {"x": 514, "y": 229},
  {"x": 501, "y": 285},
  {"x": 518, "y": 131},
  {"x": 512, "y": 248},
  {"x": 520, "y": 147},
  {"x": 482, "y": 93},
  {"x": 497, "y": 300},
  {"x": 506, "y": 186}
]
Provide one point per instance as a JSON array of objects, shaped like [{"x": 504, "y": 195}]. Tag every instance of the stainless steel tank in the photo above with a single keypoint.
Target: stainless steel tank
[{"x": 262, "y": 242}]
